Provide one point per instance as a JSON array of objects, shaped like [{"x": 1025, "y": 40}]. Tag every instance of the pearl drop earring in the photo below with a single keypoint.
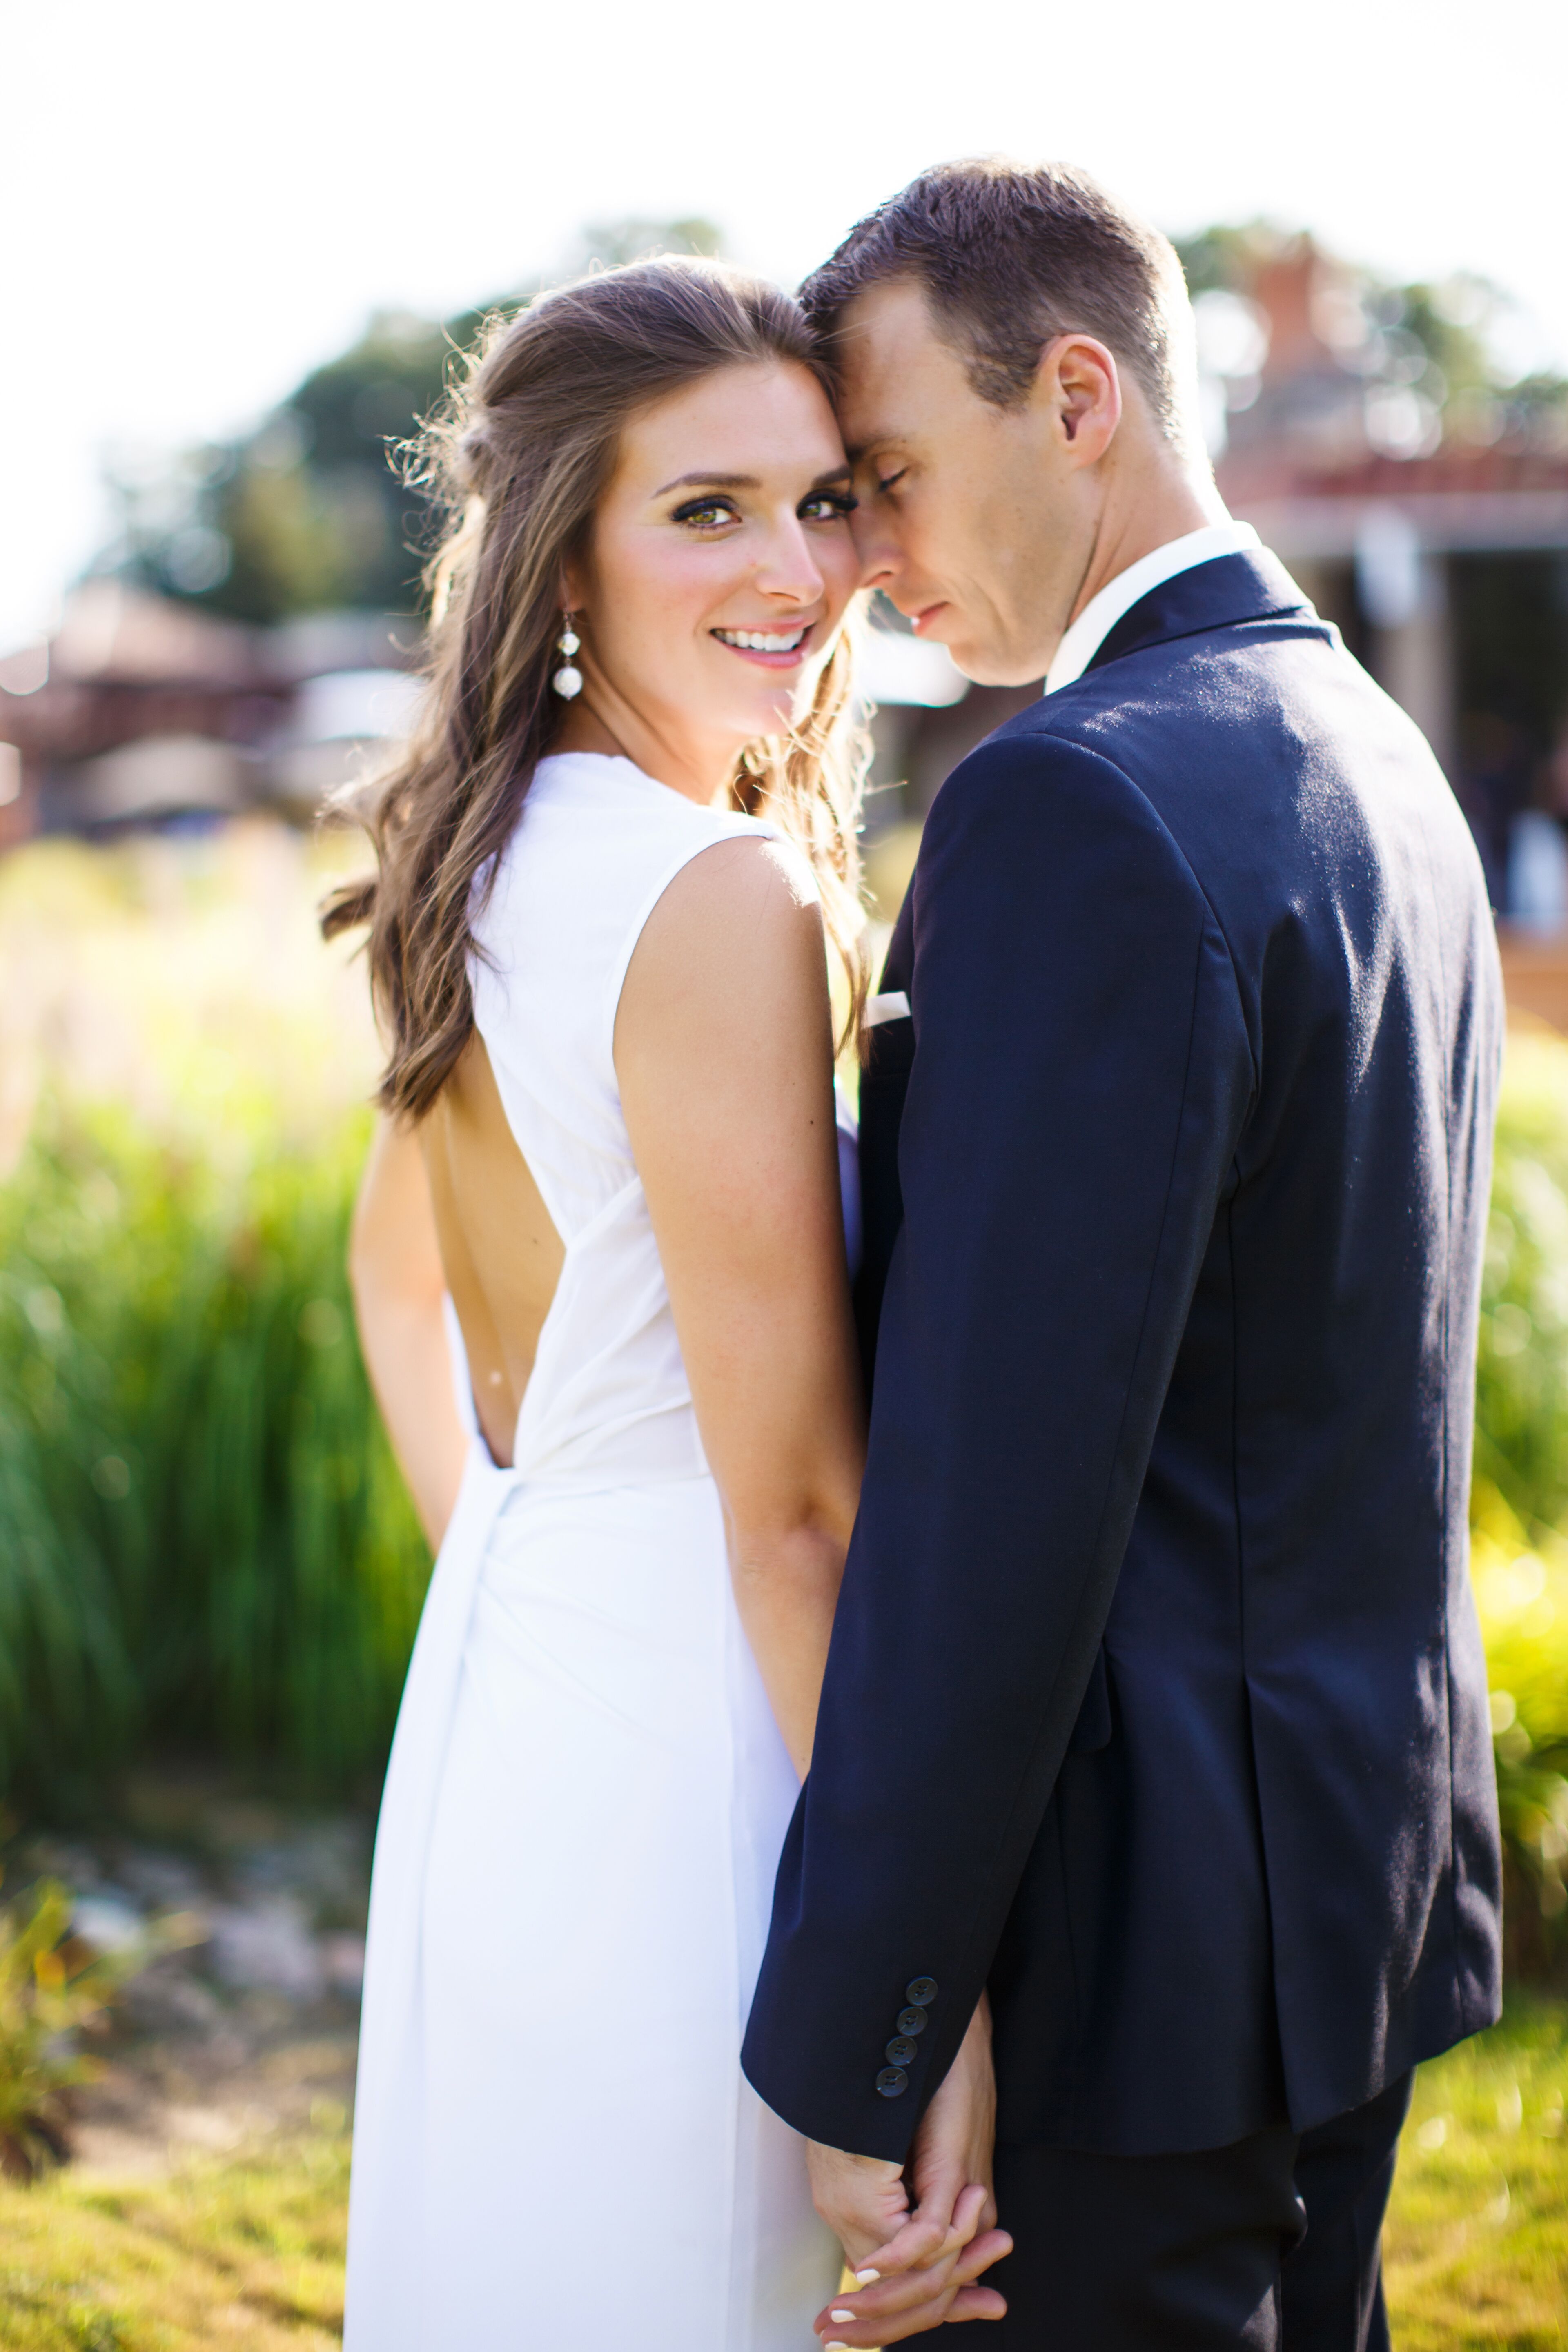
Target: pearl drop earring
[{"x": 568, "y": 680}]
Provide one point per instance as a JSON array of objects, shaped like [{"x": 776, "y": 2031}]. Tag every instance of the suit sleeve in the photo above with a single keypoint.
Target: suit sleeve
[{"x": 1080, "y": 1076}]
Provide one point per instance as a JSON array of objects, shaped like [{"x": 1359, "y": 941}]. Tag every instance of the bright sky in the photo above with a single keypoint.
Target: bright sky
[{"x": 200, "y": 201}]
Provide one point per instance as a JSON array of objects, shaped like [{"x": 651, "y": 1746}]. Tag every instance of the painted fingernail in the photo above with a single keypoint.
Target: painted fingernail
[
  {"x": 863, "y": 2278},
  {"x": 843, "y": 2318}
]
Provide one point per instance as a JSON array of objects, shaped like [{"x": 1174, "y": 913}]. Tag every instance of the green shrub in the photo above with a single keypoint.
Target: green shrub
[
  {"x": 1522, "y": 1585},
  {"x": 1521, "y": 1393},
  {"x": 202, "y": 1536},
  {"x": 53, "y": 1986},
  {"x": 1519, "y": 1495}
]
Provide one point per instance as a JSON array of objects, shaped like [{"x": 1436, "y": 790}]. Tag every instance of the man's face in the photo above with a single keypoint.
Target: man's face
[{"x": 972, "y": 518}]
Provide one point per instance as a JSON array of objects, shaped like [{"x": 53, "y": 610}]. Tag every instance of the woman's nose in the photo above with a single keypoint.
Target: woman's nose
[{"x": 789, "y": 568}]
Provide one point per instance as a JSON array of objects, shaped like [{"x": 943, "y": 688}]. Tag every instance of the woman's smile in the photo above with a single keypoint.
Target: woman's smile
[{"x": 771, "y": 648}]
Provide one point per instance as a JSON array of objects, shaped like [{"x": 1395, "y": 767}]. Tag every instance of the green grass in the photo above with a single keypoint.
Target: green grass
[
  {"x": 1476, "y": 2246},
  {"x": 244, "y": 2251},
  {"x": 247, "y": 2250}
]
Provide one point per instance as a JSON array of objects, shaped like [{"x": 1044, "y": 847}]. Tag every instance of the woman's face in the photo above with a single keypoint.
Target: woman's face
[{"x": 719, "y": 565}]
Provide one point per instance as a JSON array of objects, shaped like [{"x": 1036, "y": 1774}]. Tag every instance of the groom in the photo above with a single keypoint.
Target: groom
[{"x": 1154, "y": 1728}]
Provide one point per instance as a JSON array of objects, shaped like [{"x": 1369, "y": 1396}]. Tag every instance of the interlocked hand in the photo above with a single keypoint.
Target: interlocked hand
[{"x": 917, "y": 2267}]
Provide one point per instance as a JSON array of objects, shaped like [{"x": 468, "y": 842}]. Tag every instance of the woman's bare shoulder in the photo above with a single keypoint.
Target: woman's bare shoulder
[
  {"x": 739, "y": 922},
  {"x": 751, "y": 894},
  {"x": 763, "y": 872}
]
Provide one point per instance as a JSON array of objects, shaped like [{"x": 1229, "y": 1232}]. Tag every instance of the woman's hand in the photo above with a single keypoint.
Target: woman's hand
[{"x": 923, "y": 2272}]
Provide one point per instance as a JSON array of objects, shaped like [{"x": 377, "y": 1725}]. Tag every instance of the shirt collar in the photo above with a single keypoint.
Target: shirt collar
[{"x": 1100, "y": 614}]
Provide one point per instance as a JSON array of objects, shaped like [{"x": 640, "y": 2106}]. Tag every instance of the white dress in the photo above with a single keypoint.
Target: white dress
[{"x": 554, "y": 2146}]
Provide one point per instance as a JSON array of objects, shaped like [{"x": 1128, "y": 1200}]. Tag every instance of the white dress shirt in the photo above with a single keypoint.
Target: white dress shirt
[{"x": 1100, "y": 614}]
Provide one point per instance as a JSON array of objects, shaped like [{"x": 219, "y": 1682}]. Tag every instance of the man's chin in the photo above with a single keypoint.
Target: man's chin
[
  {"x": 986, "y": 669},
  {"x": 984, "y": 661}
]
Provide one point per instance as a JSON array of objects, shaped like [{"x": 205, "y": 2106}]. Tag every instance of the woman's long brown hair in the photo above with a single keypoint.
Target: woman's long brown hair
[{"x": 520, "y": 456}]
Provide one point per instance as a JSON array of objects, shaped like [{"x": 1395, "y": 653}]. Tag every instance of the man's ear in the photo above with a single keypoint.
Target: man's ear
[{"x": 1080, "y": 388}]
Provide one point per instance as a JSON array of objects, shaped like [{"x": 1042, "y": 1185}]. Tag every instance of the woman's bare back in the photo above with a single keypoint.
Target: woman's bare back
[{"x": 502, "y": 1254}]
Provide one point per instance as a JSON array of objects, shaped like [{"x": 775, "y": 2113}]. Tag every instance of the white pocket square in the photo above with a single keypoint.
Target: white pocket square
[{"x": 894, "y": 1006}]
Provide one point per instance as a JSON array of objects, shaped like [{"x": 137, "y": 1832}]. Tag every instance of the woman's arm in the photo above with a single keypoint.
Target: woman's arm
[
  {"x": 723, "y": 1049},
  {"x": 394, "y": 1270}
]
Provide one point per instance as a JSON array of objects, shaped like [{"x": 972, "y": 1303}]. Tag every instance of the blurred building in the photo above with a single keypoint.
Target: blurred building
[
  {"x": 1428, "y": 519},
  {"x": 141, "y": 710},
  {"x": 1431, "y": 524}
]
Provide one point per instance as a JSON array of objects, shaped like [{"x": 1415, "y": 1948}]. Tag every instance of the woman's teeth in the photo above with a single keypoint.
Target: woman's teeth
[{"x": 762, "y": 641}]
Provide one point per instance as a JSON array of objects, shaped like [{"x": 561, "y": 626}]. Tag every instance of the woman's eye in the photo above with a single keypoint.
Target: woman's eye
[
  {"x": 706, "y": 514},
  {"x": 828, "y": 506},
  {"x": 889, "y": 481}
]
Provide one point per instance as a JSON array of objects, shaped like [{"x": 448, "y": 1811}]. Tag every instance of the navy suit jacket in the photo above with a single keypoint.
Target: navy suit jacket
[{"x": 1155, "y": 1699}]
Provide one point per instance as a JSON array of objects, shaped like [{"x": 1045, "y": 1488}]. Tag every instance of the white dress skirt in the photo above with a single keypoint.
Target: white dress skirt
[{"x": 554, "y": 2146}]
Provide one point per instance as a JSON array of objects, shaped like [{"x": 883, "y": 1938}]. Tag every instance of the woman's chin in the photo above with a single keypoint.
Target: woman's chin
[
  {"x": 755, "y": 701},
  {"x": 776, "y": 715}
]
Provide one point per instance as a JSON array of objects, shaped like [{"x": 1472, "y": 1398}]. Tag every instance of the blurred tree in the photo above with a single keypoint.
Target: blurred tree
[
  {"x": 606, "y": 245},
  {"x": 1226, "y": 260},
  {"x": 1448, "y": 341},
  {"x": 309, "y": 512}
]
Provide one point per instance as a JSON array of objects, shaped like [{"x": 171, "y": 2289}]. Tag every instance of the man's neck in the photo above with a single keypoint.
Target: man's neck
[
  {"x": 1146, "y": 509},
  {"x": 1189, "y": 544}
]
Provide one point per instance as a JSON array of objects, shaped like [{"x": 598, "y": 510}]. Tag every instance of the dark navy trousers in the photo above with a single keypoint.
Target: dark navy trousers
[{"x": 1273, "y": 2244}]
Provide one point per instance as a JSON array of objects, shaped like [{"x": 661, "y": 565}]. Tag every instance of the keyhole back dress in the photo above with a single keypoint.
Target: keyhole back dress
[{"x": 554, "y": 2146}]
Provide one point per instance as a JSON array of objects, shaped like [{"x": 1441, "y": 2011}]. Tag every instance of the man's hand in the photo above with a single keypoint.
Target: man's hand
[{"x": 917, "y": 2268}]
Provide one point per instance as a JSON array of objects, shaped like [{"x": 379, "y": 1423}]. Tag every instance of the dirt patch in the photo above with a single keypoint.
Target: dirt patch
[{"x": 250, "y": 2031}]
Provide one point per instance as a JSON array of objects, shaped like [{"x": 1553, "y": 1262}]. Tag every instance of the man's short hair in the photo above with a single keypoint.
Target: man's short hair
[{"x": 1010, "y": 255}]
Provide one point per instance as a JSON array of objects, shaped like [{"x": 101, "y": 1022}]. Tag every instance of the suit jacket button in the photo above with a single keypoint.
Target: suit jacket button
[
  {"x": 892, "y": 2081},
  {"x": 922, "y": 1991},
  {"x": 901, "y": 2050},
  {"x": 911, "y": 2020}
]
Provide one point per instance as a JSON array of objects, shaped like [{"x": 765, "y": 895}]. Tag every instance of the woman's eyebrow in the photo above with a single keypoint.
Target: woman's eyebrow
[
  {"x": 711, "y": 482},
  {"x": 741, "y": 481}
]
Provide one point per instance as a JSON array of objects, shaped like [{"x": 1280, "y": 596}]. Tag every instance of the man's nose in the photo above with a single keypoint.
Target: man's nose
[{"x": 876, "y": 547}]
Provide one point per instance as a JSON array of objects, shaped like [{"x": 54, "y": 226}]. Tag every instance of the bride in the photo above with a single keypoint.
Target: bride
[{"x": 606, "y": 868}]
